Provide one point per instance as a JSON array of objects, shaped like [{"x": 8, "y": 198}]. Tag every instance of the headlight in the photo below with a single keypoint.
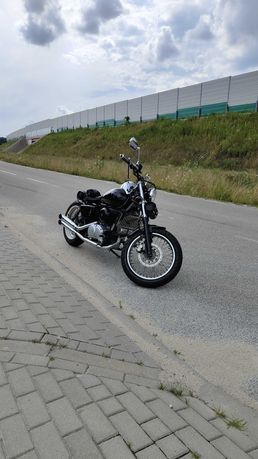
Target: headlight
[
  {"x": 151, "y": 210},
  {"x": 153, "y": 194}
]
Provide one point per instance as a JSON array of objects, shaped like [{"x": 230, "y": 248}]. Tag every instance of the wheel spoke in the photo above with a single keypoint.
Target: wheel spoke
[{"x": 161, "y": 262}]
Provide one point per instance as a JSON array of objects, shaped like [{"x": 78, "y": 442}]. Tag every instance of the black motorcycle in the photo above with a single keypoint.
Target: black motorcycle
[{"x": 120, "y": 221}]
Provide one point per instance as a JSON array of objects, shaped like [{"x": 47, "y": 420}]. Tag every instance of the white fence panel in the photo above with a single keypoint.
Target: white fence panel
[
  {"x": 84, "y": 118},
  {"x": 121, "y": 110},
  {"x": 70, "y": 121},
  {"x": 54, "y": 124},
  {"x": 77, "y": 120},
  {"x": 189, "y": 96},
  {"x": 100, "y": 114},
  {"x": 168, "y": 102},
  {"x": 109, "y": 112},
  {"x": 92, "y": 117},
  {"x": 216, "y": 91},
  {"x": 150, "y": 107},
  {"x": 135, "y": 109},
  {"x": 244, "y": 89}
]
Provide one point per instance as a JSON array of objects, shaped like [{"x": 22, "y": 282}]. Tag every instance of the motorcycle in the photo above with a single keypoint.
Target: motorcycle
[{"x": 119, "y": 221}]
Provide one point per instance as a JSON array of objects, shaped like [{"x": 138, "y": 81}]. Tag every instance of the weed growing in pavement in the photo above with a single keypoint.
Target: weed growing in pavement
[
  {"x": 51, "y": 358},
  {"x": 176, "y": 390},
  {"x": 139, "y": 363},
  {"x": 120, "y": 304},
  {"x": 238, "y": 423},
  {"x": 195, "y": 455},
  {"x": 176, "y": 352},
  {"x": 132, "y": 316},
  {"x": 129, "y": 444},
  {"x": 162, "y": 386},
  {"x": 219, "y": 412}
]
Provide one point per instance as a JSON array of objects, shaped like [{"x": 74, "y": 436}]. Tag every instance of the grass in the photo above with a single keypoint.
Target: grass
[
  {"x": 5, "y": 145},
  {"x": 195, "y": 455},
  {"x": 220, "y": 413},
  {"x": 176, "y": 390},
  {"x": 176, "y": 352},
  {"x": 214, "y": 157},
  {"x": 237, "y": 423}
]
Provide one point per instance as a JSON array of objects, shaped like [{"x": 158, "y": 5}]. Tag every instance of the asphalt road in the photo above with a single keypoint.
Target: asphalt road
[{"x": 209, "y": 312}]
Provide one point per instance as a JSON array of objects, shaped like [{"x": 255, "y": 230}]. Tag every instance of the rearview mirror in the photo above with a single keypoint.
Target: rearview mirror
[{"x": 134, "y": 144}]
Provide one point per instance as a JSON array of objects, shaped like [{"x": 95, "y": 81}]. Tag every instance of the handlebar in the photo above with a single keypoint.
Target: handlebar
[{"x": 135, "y": 167}]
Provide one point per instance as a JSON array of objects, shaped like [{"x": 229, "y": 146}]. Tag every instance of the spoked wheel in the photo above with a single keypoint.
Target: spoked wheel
[
  {"x": 74, "y": 213},
  {"x": 161, "y": 268}
]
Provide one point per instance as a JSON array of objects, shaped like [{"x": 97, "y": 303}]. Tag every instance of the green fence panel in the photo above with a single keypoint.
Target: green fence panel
[
  {"x": 243, "y": 108},
  {"x": 188, "y": 112},
  {"x": 214, "y": 108},
  {"x": 167, "y": 116},
  {"x": 110, "y": 122}
]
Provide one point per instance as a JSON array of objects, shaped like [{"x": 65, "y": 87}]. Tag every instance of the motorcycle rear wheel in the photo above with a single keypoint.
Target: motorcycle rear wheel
[
  {"x": 158, "y": 270},
  {"x": 73, "y": 212}
]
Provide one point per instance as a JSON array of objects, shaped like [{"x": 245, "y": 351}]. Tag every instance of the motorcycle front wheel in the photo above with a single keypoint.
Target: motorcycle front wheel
[{"x": 158, "y": 270}]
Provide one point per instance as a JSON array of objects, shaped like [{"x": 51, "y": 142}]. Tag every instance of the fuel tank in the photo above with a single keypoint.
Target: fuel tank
[{"x": 116, "y": 198}]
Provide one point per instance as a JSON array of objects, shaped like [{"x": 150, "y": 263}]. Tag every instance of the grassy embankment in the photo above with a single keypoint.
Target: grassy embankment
[{"x": 214, "y": 157}]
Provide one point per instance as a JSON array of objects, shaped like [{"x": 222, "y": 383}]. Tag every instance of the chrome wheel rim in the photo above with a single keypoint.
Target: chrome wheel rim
[{"x": 162, "y": 261}]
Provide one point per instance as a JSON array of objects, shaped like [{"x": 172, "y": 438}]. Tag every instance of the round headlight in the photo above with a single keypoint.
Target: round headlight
[{"x": 153, "y": 193}]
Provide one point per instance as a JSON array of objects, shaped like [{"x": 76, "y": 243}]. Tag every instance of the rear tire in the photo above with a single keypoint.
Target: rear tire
[
  {"x": 74, "y": 213},
  {"x": 164, "y": 265}
]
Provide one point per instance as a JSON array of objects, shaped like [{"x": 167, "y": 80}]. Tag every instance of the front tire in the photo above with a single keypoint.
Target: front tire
[
  {"x": 74, "y": 213},
  {"x": 164, "y": 265}
]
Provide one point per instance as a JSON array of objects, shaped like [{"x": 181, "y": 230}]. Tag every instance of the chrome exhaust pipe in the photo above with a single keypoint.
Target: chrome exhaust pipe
[
  {"x": 63, "y": 219},
  {"x": 69, "y": 224}
]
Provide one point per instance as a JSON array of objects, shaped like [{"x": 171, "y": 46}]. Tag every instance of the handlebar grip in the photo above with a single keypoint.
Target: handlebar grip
[{"x": 125, "y": 159}]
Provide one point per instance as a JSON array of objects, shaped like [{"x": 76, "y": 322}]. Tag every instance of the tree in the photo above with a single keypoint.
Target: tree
[{"x": 3, "y": 140}]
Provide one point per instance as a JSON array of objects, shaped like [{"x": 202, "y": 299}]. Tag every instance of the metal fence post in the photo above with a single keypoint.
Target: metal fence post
[
  {"x": 229, "y": 86},
  {"x": 177, "y": 102}
]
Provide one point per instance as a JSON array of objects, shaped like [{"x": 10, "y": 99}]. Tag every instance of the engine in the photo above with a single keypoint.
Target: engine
[
  {"x": 102, "y": 234},
  {"x": 96, "y": 231}
]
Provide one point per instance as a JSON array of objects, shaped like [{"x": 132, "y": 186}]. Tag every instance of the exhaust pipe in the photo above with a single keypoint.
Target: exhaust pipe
[{"x": 69, "y": 224}]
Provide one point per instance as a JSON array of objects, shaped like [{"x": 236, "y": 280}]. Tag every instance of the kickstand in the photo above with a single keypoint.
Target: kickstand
[{"x": 116, "y": 254}]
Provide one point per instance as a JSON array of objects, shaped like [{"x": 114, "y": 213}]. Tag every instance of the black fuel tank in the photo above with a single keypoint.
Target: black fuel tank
[{"x": 115, "y": 198}]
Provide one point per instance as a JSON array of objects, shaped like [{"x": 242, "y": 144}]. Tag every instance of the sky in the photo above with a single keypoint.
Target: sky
[{"x": 63, "y": 56}]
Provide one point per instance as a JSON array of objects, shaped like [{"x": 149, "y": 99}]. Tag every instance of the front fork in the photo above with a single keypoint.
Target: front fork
[{"x": 147, "y": 232}]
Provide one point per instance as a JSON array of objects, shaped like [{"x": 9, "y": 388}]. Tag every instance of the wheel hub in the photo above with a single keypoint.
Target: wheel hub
[{"x": 154, "y": 260}]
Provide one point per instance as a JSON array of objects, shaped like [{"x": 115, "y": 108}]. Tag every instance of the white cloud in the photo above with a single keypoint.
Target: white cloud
[
  {"x": 165, "y": 47},
  {"x": 98, "y": 13},
  {"x": 44, "y": 22}
]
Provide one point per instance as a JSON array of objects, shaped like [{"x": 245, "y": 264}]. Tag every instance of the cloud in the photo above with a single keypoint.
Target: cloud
[
  {"x": 63, "y": 110},
  {"x": 35, "y": 6},
  {"x": 239, "y": 19},
  {"x": 44, "y": 22},
  {"x": 184, "y": 17},
  {"x": 202, "y": 31},
  {"x": 99, "y": 13},
  {"x": 165, "y": 45}
]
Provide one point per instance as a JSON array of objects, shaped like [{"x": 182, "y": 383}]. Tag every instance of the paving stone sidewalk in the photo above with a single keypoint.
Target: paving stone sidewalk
[{"x": 72, "y": 385}]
